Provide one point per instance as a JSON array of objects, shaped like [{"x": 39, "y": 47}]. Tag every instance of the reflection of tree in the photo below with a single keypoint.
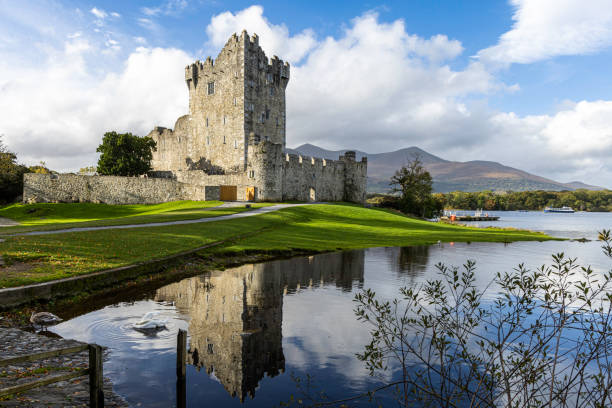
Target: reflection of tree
[
  {"x": 236, "y": 315},
  {"x": 408, "y": 261}
]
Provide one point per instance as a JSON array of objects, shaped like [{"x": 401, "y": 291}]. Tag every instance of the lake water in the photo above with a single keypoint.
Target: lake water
[{"x": 254, "y": 328}]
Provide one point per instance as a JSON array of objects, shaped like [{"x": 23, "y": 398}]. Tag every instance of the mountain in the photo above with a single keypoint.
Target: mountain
[{"x": 448, "y": 175}]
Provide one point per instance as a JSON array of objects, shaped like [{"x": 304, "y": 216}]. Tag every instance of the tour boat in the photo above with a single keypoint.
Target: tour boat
[{"x": 559, "y": 210}]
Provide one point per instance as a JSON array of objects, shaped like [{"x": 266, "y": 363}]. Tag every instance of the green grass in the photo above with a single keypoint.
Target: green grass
[
  {"x": 46, "y": 217},
  {"x": 313, "y": 228}
]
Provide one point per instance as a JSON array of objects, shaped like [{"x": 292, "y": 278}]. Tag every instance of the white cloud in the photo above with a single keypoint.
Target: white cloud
[
  {"x": 98, "y": 13},
  {"x": 74, "y": 107},
  {"x": 574, "y": 143},
  {"x": 169, "y": 7},
  {"x": 545, "y": 29},
  {"x": 274, "y": 39},
  {"x": 376, "y": 79}
]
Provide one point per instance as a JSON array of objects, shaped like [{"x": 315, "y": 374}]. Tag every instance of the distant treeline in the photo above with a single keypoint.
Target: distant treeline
[{"x": 579, "y": 200}]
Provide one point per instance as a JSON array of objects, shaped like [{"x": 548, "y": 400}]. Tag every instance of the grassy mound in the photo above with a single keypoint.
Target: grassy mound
[{"x": 313, "y": 228}]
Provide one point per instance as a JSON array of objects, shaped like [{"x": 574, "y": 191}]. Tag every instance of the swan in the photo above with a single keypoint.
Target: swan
[
  {"x": 44, "y": 319},
  {"x": 148, "y": 321}
]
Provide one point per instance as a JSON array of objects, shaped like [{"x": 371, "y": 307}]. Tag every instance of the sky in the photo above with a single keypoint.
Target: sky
[{"x": 522, "y": 82}]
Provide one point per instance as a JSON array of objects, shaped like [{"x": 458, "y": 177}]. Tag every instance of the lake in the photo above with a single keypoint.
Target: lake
[{"x": 255, "y": 328}]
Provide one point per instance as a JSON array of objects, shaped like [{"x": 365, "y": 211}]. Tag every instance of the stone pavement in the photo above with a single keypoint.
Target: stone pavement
[{"x": 71, "y": 393}]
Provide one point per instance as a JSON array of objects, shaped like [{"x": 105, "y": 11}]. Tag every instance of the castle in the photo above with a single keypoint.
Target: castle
[{"x": 231, "y": 145}]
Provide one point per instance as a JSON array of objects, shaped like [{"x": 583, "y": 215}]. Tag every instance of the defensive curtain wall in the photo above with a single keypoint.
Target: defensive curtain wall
[
  {"x": 302, "y": 179},
  {"x": 230, "y": 146}
]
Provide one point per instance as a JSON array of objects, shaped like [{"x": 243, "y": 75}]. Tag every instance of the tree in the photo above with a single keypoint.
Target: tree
[
  {"x": 11, "y": 175},
  {"x": 415, "y": 186},
  {"x": 124, "y": 154}
]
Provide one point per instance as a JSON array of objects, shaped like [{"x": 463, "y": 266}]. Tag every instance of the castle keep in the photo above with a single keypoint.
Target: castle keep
[{"x": 231, "y": 145}]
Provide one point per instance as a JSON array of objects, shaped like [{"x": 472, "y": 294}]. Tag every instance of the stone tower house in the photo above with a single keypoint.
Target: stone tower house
[{"x": 234, "y": 135}]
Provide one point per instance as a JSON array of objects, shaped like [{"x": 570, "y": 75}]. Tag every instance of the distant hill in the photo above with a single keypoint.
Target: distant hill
[{"x": 448, "y": 175}]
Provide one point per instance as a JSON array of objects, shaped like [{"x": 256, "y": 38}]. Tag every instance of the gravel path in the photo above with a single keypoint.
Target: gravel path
[
  {"x": 251, "y": 213},
  {"x": 5, "y": 222},
  {"x": 72, "y": 393}
]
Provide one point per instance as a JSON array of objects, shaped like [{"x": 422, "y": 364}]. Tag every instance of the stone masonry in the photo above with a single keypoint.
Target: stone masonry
[
  {"x": 231, "y": 145},
  {"x": 234, "y": 134}
]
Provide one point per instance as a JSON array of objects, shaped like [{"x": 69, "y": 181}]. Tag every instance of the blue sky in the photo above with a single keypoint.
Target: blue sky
[{"x": 523, "y": 82}]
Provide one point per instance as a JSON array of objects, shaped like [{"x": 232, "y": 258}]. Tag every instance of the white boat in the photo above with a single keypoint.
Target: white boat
[{"x": 559, "y": 210}]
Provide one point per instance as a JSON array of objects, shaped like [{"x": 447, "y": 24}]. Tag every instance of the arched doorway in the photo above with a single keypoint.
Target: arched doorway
[{"x": 313, "y": 196}]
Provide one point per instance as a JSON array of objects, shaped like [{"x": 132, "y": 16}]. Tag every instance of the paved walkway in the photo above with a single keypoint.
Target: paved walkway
[
  {"x": 250, "y": 213},
  {"x": 70, "y": 393},
  {"x": 5, "y": 222}
]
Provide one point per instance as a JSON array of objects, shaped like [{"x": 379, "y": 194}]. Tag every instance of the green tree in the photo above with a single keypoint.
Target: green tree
[
  {"x": 414, "y": 184},
  {"x": 124, "y": 154},
  {"x": 11, "y": 175}
]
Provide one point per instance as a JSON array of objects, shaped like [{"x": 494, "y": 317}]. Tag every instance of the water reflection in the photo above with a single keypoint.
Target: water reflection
[
  {"x": 410, "y": 262},
  {"x": 236, "y": 315}
]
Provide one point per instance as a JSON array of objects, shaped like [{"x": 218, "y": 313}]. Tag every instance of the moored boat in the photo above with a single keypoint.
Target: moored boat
[{"x": 559, "y": 210}]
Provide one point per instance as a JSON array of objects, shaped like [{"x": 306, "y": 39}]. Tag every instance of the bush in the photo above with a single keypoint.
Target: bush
[{"x": 545, "y": 340}]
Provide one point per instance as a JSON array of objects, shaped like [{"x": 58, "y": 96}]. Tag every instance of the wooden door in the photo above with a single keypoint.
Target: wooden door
[
  {"x": 228, "y": 193},
  {"x": 250, "y": 193}
]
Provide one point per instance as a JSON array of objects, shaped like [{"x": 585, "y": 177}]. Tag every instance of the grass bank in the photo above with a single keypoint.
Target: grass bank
[
  {"x": 312, "y": 228},
  {"x": 49, "y": 217}
]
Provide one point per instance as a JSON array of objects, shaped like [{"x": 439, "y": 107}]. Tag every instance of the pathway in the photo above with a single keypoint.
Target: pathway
[
  {"x": 250, "y": 213},
  {"x": 71, "y": 393},
  {"x": 5, "y": 222}
]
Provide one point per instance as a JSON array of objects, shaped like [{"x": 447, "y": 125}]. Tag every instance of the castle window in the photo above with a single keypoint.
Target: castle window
[
  {"x": 208, "y": 140},
  {"x": 267, "y": 138},
  {"x": 252, "y": 174},
  {"x": 206, "y": 122},
  {"x": 235, "y": 101},
  {"x": 223, "y": 139},
  {"x": 211, "y": 88},
  {"x": 224, "y": 120},
  {"x": 235, "y": 144},
  {"x": 263, "y": 117},
  {"x": 267, "y": 113},
  {"x": 269, "y": 78},
  {"x": 257, "y": 139},
  {"x": 277, "y": 121},
  {"x": 236, "y": 74},
  {"x": 271, "y": 91}
]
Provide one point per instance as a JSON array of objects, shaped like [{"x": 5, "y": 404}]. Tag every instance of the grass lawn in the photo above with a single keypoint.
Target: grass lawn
[
  {"x": 313, "y": 228},
  {"x": 45, "y": 217}
]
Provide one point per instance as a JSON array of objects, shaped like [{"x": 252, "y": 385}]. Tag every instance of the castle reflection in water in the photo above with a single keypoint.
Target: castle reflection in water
[{"x": 236, "y": 315}]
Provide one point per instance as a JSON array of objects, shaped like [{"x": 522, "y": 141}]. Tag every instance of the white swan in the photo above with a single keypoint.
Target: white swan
[{"x": 148, "y": 321}]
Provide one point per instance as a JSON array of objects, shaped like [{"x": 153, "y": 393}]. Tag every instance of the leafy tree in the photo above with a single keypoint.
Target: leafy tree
[
  {"x": 124, "y": 154},
  {"x": 11, "y": 175},
  {"x": 415, "y": 185}
]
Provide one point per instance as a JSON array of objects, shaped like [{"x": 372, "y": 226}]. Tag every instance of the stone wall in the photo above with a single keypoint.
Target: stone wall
[
  {"x": 314, "y": 179},
  {"x": 70, "y": 188}
]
